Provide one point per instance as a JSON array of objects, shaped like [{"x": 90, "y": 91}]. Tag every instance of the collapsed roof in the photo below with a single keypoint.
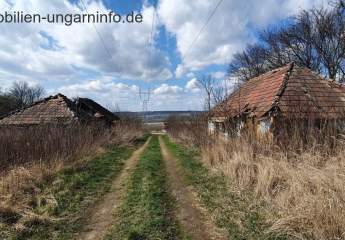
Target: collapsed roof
[
  {"x": 97, "y": 110},
  {"x": 57, "y": 109},
  {"x": 289, "y": 91}
]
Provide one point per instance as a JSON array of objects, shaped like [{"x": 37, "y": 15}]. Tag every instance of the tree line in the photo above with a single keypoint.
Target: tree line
[{"x": 19, "y": 95}]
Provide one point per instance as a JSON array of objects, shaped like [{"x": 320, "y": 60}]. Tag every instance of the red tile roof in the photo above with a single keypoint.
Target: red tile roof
[
  {"x": 56, "y": 109},
  {"x": 291, "y": 91},
  {"x": 50, "y": 110}
]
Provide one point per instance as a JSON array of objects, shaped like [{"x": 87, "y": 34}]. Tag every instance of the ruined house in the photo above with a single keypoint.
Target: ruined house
[
  {"x": 95, "y": 110},
  {"x": 59, "y": 110},
  {"x": 290, "y": 93}
]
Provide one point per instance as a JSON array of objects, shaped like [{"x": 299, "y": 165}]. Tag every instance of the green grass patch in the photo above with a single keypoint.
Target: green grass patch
[
  {"x": 74, "y": 190},
  {"x": 241, "y": 218},
  {"x": 146, "y": 212}
]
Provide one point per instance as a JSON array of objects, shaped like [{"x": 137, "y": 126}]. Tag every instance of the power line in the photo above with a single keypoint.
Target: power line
[
  {"x": 202, "y": 29},
  {"x": 145, "y": 98},
  {"x": 145, "y": 95},
  {"x": 98, "y": 33},
  {"x": 151, "y": 40}
]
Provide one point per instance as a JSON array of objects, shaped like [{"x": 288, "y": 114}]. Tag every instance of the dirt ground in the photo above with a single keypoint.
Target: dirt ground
[
  {"x": 189, "y": 213},
  {"x": 102, "y": 216}
]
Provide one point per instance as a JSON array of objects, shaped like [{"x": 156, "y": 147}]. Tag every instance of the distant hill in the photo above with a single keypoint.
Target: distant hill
[{"x": 157, "y": 116}]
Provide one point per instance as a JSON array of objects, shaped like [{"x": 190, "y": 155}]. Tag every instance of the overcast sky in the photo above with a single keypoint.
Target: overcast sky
[{"x": 73, "y": 61}]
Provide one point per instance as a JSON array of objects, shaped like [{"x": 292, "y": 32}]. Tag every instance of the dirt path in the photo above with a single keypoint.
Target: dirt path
[
  {"x": 101, "y": 217},
  {"x": 189, "y": 213}
]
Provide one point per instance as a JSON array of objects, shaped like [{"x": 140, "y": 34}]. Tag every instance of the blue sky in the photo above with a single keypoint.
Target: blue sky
[{"x": 72, "y": 60}]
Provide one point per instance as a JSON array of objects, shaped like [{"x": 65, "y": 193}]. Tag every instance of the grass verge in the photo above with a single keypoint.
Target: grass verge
[
  {"x": 242, "y": 218},
  {"x": 146, "y": 212},
  {"x": 65, "y": 199}
]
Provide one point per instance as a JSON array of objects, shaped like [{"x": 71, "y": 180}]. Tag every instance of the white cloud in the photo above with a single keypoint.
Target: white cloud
[
  {"x": 98, "y": 87},
  {"x": 172, "y": 97},
  {"x": 105, "y": 92},
  {"x": 229, "y": 30},
  {"x": 180, "y": 71},
  {"x": 193, "y": 85},
  {"x": 218, "y": 75},
  {"x": 55, "y": 52},
  {"x": 166, "y": 89},
  {"x": 190, "y": 75},
  {"x": 109, "y": 94},
  {"x": 72, "y": 60}
]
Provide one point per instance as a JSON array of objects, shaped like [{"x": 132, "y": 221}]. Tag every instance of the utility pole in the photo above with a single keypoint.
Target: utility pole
[{"x": 145, "y": 99}]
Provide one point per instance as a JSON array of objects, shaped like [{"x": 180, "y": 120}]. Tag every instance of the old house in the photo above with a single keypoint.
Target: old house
[
  {"x": 266, "y": 102},
  {"x": 96, "y": 110},
  {"x": 59, "y": 109}
]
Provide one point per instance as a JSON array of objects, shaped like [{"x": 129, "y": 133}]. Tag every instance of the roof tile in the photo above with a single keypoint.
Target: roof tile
[{"x": 290, "y": 88}]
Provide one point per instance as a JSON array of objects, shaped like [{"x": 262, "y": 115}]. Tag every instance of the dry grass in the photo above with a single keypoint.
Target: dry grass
[
  {"x": 125, "y": 131},
  {"x": 307, "y": 191},
  {"x": 31, "y": 156},
  {"x": 25, "y": 146},
  {"x": 302, "y": 185}
]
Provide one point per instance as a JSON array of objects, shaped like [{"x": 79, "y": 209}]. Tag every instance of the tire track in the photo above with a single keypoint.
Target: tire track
[
  {"x": 188, "y": 211},
  {"x": 101, "y": 218}
]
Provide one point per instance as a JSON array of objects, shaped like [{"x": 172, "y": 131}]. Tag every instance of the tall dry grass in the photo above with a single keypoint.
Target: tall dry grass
[
  {"x": 31, "y": 155},
  {"x": 25, "y": 146},
  {"x": 188, "y": 130},
  {"x": 301, "y": 180}
]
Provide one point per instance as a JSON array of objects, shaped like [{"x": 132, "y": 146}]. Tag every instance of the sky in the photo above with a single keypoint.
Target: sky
[{"x": 111, "y": 63}]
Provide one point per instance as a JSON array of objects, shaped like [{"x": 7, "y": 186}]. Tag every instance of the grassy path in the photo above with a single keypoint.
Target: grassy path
[
  {"x": 189, "y": 213},
  {"x": 241, "y": 219},
  {"x": 74, "y": 190},
  {"x": 161, "y": 192},
  {"x": 101, "y": 216},
  {"x": 147, "y": 208}
]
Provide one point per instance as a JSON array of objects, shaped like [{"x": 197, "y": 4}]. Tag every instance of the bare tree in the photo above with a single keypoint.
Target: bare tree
[
  {"x": 293, "y": 43},
  {"x": 315, "y": 39},
  {"x": 7, "y": 104},
  {"x": 275, "y": 53},
  {"x": 219, "y": 94},
  {"x": 339, "y": 5},
  {"x": 222, "y": 89},
  {"x": 249, "y": 63},
  {"x": 329, "y": 40},
  {"x": 24, "y": 94},
  {"x": 207, "y": 82}
]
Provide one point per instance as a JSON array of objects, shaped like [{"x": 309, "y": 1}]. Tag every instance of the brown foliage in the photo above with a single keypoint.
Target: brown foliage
[
  {"x": 302, "y": 179},
  {"x": 190, "y": 130},
  {"x": 32, "y": 156},
  {"x": 23, "y": 146}
]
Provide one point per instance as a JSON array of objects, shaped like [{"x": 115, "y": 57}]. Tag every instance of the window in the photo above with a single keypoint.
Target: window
[{"x": 265, "y": 126}]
